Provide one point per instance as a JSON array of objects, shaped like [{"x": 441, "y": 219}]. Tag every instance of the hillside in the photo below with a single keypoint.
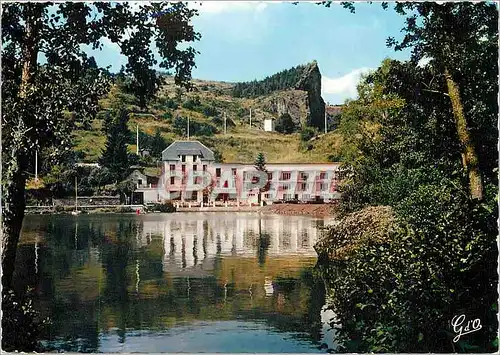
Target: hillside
[{"x": 206, "y": 105}]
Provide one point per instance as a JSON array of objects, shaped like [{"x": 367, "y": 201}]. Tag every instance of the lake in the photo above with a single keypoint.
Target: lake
[{"x": 181, "y": 282}]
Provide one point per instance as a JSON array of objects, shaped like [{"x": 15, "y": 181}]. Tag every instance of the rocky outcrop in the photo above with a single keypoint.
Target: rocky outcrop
[
  {"x": 293, "y": 102},
  {"x": 310, "y": 81},
  {"x": 303, "y": 103}
]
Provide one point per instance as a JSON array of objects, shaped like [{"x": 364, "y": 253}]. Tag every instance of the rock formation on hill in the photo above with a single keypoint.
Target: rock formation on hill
[
  {"x": 295, "y": 91},
  {"x": 310, "y": 81}
]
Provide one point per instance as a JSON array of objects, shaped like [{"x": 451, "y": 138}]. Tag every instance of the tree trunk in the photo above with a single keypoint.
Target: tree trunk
[
  {"x": 14, "y": 184},
  {"x": 15, "y": 162},
  {"x": 470, "y": 160}
]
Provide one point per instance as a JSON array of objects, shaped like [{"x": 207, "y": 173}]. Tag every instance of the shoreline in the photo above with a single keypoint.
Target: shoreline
[
  {"x": 286, "y": 209},
  {"x": 323, "y": 210}
]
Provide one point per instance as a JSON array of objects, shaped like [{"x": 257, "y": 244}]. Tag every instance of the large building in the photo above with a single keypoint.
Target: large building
[{"x": 190, "y": 174}]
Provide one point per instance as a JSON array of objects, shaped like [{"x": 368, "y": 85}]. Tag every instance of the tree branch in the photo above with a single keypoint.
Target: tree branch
[{"x": 437, "y": 92}]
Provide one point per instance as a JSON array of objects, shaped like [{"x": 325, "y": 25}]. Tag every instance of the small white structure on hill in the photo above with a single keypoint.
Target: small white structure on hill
[{"x": 269, "y": 125}]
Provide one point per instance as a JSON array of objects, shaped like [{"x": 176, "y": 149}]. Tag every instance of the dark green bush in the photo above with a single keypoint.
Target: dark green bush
[
  {"x": 171, "y": 104},
  {"x": 21, "y": 323},
  {"x": 191, "y": 103},
  {"x": 400, "y": 295},
  {"x": 167, "y": 116},
  {"x": 209, "y": 111},
  {"x": 284, "y": 124},
  {"x": 166, "y": 207},
  {"x": 307, "y": 133}
]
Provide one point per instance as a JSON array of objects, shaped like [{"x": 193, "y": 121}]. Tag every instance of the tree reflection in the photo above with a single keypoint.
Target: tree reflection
[
  {"x": 263, "y": 244},
  {"x": 228, "y": 287}
]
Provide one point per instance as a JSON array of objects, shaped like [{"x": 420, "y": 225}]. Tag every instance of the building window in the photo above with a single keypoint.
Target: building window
[
  {"x": 195, "y": 158},
  {"x": 303, "y": 176},
  {"x": 269, "y": 176},
  {"x": 286, "y": 175},
  {"x": 302, "y": 186},
  {"x": 217, "y": 172},
  {"x": 204, "y": 168},
  {"x": 285, "y": 187},
  {"x": 195, "y": 167},
  {"x": 183, "y": 158},
  {"x": 139, "y": 181},
  {"x": 172, "y": 180},
  {"x": 322, "y": 176},
  {"x": 172, "y": 167},
  {"x": 183, "y": 168},
  {"x": 234, "y": 171}
]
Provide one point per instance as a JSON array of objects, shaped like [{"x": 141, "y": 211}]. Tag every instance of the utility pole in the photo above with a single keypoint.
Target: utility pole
[
  {"x": 326, "y": 129},
  {"x": 225, "y": 125},
  {"x": 36, "y": 165},
  {"x": 188, "y": 129},
  {"x": 137, "y": 141},
  {"x": 76, "y": 193},
  {"x": 250, "y": 118}
]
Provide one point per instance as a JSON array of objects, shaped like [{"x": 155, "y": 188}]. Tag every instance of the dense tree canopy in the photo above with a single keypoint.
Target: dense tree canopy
[
  {"x": 421, "y": 139},
  {"x": 115, "y": 154},
  {"x": 286, "y": 79}
]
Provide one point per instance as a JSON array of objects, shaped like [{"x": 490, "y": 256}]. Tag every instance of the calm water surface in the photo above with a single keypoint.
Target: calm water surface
[{"x": 182, "y": 282}]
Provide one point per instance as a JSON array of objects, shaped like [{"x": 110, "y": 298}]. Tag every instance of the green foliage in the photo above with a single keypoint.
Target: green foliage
[
  {"x": 154, "y": 144},
  {"x": 191, "y": 103},
  {"x": 260, "y": 162},
  {"x": 195, "y": 128},
  {"x": 99, "y": 177},
  {"x": 286, "y": 79},
  {"x": 401, "y": 149},
  {"x": 218, "y": 156},
  {"x": 171, "y": 104},
  {"x": 125, "y": 189},
  {"x": 439, "y": 263},
  {"x": 158, "y": 144},
  {"x": 166, "y": 207},
  {"x": 167, "y": 116},
  {"x": 307, "y": 133},
  {"x": 21, "y": 323},
  {"x": 209, "y": 111},
  {"x": 284, "y": 124},
  {"x": 115, "y": 154}
]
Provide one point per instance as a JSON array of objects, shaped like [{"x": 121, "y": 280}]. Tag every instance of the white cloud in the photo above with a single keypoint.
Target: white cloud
[{"x": 343, "y": 87}]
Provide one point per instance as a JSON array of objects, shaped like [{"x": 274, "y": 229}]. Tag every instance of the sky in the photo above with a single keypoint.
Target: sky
[{"x": 243, "y": 41}]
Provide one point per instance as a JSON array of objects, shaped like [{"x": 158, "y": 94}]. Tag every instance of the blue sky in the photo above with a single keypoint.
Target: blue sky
[{"x": 243, "y": 41}]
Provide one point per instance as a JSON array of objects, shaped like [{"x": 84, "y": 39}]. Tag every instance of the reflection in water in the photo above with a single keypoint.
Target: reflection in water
[{"x": 121, "y": 276}]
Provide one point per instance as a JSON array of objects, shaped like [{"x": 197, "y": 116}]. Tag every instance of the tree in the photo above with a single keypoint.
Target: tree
[
  {"x": 471, "y": 42},
  {"x": 115, "y": 154},
  {"x": 158, "y": 144},
  {"x": 125, "y": 189},
  {"x": 34, "y": 95},
  {"x": 99, "y": 177},
  {"x": 218, "y": 158},
  {"x": 466, "y": 54},
  {"x": 260, "y": 165},
  {"x": 284, "y": 124},
  {"x": 402, "y": 149}
]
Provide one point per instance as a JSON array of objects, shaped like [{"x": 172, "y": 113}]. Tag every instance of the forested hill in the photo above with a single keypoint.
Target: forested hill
[{"x": 284, "y": 80}]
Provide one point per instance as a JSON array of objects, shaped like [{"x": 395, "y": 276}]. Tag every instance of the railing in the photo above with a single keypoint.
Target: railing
[{"x": 147, "y": 186}]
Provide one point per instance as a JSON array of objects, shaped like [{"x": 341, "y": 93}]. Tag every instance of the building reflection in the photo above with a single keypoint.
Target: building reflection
[
  {"x": 190, "y": 243},
  {"x": 154, "y": 272}
]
